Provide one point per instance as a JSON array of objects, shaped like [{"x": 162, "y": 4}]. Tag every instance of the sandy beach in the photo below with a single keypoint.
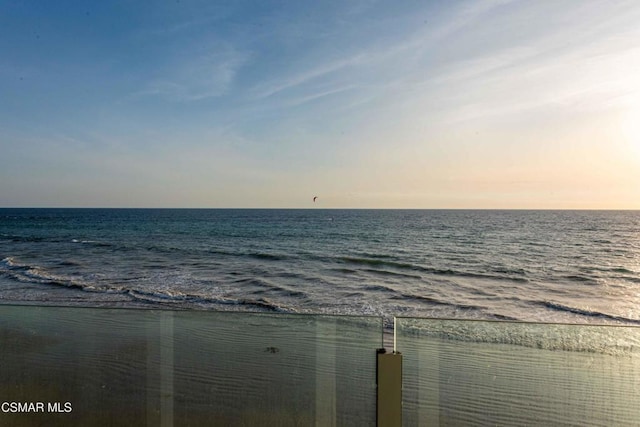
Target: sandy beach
[
  {"x": 150, "y": 367},
  {"x": 461, "y": 373},
  {"x": 97, "y": 366}
]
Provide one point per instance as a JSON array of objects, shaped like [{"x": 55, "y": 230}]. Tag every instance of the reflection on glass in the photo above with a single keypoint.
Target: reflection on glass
[
  {"x": 151, "y": 367},
  {"x": 502, "y": 373}
]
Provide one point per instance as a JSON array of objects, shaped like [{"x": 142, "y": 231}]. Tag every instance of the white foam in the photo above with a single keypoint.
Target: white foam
[{"x": 8, "y": 261}]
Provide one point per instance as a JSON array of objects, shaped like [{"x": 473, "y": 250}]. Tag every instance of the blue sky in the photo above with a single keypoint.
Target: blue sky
[{"x": 483, "y": 104}]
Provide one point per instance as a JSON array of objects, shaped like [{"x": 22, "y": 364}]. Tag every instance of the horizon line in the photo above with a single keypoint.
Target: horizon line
[{"x": 316, "y": 208}]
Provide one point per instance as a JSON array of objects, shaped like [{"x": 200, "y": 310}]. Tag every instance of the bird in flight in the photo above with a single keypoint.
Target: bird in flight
[{"x": 314, "y": 198}]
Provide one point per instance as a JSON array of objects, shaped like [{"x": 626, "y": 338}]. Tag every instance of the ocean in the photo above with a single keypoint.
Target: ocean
[{"x": 542, "y": 266}]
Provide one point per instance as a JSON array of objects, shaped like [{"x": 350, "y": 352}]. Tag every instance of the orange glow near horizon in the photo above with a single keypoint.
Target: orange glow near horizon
[{"x": 631, "y": 132}]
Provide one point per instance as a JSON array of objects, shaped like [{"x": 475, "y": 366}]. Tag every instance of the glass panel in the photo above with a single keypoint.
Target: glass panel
[
  {"x": 150, "y": 367},
  {"x": 275, "y": 369},
  {"x": 460, "y": 373}
]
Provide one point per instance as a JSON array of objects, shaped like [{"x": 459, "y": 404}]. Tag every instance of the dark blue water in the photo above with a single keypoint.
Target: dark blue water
[{"x": 565, "y": 266}]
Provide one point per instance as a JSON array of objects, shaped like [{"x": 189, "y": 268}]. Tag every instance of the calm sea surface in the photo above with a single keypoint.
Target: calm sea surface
[{"x": 555, "y": 266}]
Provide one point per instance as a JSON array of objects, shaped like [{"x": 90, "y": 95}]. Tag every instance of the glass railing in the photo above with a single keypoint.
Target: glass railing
[
  {"x": 93, "y": 366},
  {"x": 72, "y": 366},
  {"x": 463, "y": 373}
]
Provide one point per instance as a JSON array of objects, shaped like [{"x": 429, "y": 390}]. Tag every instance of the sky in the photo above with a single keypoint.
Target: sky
[{"x": 496, "y": 104}]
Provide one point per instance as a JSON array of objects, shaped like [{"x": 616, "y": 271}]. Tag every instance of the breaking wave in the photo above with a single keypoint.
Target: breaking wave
[
  {"x": 38, "y": 276},
  {"x": 503, "y": 274},
  {"x": 585, "y": 312}
]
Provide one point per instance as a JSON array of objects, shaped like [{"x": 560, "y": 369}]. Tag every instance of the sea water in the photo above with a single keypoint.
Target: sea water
[{"x": 550, "y": 266}]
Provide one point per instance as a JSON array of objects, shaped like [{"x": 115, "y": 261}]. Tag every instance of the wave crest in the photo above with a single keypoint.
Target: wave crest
[{"x": 586, "y": 312}]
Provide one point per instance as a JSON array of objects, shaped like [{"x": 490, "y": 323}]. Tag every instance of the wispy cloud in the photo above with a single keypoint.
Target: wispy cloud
[
  {"x": 198, "y": 76},
  {"x": 536, "y": 71},
  {"x": 377, "y": 63},
  {"x": 321, "y": 94},
  {"x": 294, "y": 80},
  {"x": 465, "y": 14}
]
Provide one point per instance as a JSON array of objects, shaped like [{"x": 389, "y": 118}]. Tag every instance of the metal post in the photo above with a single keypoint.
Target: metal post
[{"x": 389, "y": 381}]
